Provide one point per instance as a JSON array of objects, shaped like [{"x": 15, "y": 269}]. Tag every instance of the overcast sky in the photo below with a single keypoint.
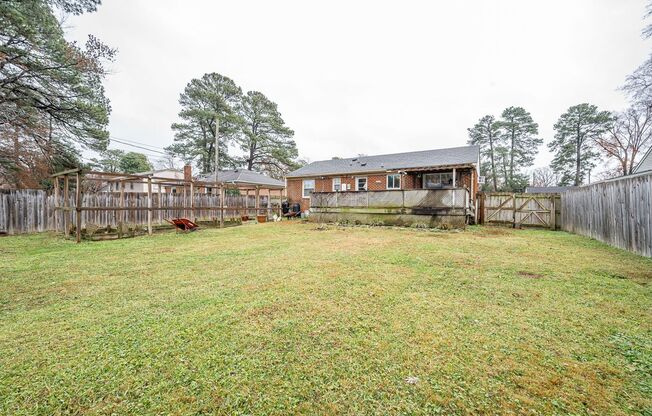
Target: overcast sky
[{"x": 369, "y": 76}]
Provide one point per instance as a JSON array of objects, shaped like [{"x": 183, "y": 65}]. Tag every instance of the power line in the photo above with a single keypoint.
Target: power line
[
  {"x": 140, "y": 147},
  {"x": 138, "y": 143}
]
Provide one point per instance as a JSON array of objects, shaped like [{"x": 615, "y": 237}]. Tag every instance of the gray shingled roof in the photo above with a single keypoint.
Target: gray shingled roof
[
  {"x": 243, "y": 177},
  {"x": 548, "y": 189},
  {"x": 646, "y": 163},
  {"x": 410, "y": 160}
]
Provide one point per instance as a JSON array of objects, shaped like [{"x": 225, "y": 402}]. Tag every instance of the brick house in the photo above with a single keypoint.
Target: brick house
[
  {"x": 427, "y": 169},
  {"x": 242, "y": 179}
]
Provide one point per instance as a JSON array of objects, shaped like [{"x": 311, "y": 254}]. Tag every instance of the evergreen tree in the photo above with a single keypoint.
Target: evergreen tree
[
  {"x": 265, "y": 139},
  {"x": 109, "y": 161},
  {"x": 51, "y": 93},
  {"x": 201, "y": 101},
  {"x": 574, "y": 143},
  {"x": 116, "y": 160},
  {"x": 519, "y": 136},
  {"x": 486, "y": 134},
  {"x": 134, "y": 162}
]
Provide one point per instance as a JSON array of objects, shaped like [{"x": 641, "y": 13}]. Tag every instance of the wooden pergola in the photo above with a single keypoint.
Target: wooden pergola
[{"x": 62, "y": 182}]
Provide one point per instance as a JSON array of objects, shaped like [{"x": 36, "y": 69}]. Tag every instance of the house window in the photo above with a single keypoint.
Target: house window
[
  {"x": 131, "y": 186},
  {"x": 360, "y": 184},
  {"x": 437, "y": 180},
  {"x": 394, "y": 181},
  {"x": 308, "y": 187},
  {"x": 337, "y": 184},
  {"x": 209, "y": 190}
]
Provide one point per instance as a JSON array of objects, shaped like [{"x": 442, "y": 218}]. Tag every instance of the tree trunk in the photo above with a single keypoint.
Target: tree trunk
[
  {"x": 504, "y": 168},
  {"x": 252, "y": 154},
  {"x": 493, "y": 162},
  {"x": 578, "y": 159},
  {"x": 511, "y": 160}
]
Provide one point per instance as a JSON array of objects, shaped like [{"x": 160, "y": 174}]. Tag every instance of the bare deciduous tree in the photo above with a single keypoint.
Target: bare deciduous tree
[
  {"x": 167, "y": 161},
  {"x": 629, "y": 135},
  {"x": 638, "y": 85},
  {"x": 544, "y": 177}
]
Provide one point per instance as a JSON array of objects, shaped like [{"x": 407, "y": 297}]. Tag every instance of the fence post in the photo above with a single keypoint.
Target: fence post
[
  {"x": 553, "y": 213},
  {"x": 66, "y": 206},
  {"x": 123, "y": 213},
  {"x": 192, "y": 201},
  {"x": 222, "y": 195},
  {"x": 247, "y": 203},
  {"x": 514, "y": 211},
  {"x": 149, "y": 205},
  {"x": 158, "y": 205},
  {"x": 78, "y": 202},
  {"x": 483, "y": 202},
  {"x": 56, "y": 204}
]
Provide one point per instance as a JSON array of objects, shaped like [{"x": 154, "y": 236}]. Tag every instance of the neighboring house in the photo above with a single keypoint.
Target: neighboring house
[
  {"x": 140, "y": 186},
  {"x": 242, "y": 179},
  {"x": 646, "y": 163},
  {"x": 548, "y": 189},
  {"x": 428, "y": 169},
  {"x": 238, "y": 178}
]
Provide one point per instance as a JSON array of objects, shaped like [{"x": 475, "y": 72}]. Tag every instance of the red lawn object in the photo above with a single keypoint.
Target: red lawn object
[{"x": 183, "y": 224}]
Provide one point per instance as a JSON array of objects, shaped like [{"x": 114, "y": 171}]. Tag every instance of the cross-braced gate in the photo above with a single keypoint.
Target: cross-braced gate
[{"x": 520, "y": 210}]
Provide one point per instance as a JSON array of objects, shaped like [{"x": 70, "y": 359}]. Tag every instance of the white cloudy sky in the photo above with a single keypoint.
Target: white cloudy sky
[{"x": 370, "y": 76}]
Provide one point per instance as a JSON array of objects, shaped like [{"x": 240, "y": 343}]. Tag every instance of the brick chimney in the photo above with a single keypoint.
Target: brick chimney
[{"x": 187, "y": 173}]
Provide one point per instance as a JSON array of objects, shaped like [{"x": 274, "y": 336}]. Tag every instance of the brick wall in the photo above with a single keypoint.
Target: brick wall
[
  {"x": 409, "y": 182},
  {"x": 375, "y": 182},
  {"x": 294, "y": 191}
]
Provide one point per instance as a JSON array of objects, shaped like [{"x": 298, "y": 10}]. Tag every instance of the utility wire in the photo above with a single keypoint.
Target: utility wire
[
  {"x": 139, "y": 147},
  {"x": 138, "y": 142}
]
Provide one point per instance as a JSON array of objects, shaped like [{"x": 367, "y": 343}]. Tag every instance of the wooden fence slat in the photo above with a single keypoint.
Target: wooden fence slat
[
  {"x": 32, "y": 210},
  {"x": 617, "y": 212}
]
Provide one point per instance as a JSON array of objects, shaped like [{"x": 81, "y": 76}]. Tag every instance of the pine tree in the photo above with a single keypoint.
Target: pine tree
[
  {"x": 51, "y": 93},
  {"x": 201, "y": 101},
  {"x": 265, "y": 139},
  {"x": 486, "y": 134},
  {"x": 574, "y": 142},
  {"x": 519, "y": 136}
]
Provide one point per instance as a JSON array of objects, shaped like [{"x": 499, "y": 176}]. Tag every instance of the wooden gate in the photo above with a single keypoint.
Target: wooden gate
[{"x": 520, "y": 210}]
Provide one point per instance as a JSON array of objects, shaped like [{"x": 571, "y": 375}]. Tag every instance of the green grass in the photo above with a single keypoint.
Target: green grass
[{"x": 292, "y": 319}]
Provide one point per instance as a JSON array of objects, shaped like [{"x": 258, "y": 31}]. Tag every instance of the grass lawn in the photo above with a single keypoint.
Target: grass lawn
[{"x": 289, "y": 318}]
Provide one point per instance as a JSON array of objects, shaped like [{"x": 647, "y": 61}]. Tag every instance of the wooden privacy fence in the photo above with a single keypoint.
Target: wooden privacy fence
[
  {"x": 520, "y": 209},
  {"x": 82, "y": 181},
  {"x": 30, "y": 210},
  {"x": 26, "y": 211},
  {"x": 429, "y": 207},
  {"x": 617, "y": 212}
]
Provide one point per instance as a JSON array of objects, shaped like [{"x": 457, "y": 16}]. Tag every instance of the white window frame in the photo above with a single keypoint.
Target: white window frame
[
  {"x": 339, "y": 182},
  {"x": 366, "y": 183},
  {"x": 400, "y": 180},
  {"x": 303, "y": 187},
  {"x": 423, "y": 179}
]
